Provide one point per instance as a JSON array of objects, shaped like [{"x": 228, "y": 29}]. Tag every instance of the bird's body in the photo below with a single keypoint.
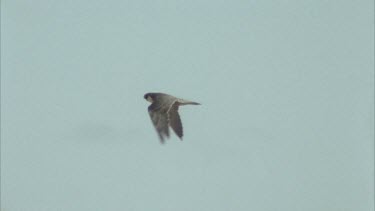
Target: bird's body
[{"x": 164, "y": 113}]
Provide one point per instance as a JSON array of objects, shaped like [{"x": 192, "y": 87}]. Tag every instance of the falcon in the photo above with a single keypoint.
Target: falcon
[{"x": 163, "y": 112}]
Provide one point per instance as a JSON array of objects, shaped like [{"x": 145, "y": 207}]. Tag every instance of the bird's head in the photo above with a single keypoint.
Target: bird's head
[{"x": 149, "y": 97}]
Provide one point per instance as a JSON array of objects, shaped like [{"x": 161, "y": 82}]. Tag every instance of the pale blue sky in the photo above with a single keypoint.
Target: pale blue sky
[{"x": 286, "y": 121}]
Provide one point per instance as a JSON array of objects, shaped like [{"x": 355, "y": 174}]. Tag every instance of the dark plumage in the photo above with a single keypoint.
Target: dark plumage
[{"x": 163, "y": 112}]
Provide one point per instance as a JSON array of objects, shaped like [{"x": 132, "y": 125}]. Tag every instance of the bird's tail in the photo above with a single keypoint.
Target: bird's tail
[{"x": 187, "y": 102}]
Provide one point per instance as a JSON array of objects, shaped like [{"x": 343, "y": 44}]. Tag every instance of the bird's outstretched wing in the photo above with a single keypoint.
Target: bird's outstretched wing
[
  {"x": 175, "y": 120},
  {"x": 160, "y": 122},
  {"x": 159, "y": 117}
]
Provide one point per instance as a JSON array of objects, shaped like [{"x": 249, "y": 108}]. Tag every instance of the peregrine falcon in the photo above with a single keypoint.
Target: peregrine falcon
[{"x": 164, "y": 112}]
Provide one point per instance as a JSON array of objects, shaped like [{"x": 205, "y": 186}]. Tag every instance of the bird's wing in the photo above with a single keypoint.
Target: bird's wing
[
  {"x": 175, "y": 120},
  {"x": 159, "y": 117},
  {"x": 160, "y": 122}
]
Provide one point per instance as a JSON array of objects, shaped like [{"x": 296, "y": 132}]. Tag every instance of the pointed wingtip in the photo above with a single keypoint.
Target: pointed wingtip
[{"x": 161, "y": 139}]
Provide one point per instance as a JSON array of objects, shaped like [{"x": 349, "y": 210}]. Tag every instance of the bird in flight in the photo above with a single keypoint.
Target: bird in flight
[{"x": 164, "y": 113}]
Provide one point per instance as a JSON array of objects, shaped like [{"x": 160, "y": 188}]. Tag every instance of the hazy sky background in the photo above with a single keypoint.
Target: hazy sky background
[{"x": 286, "y": 121}]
